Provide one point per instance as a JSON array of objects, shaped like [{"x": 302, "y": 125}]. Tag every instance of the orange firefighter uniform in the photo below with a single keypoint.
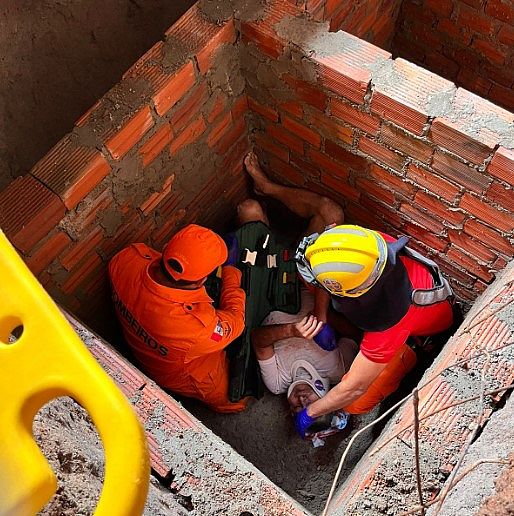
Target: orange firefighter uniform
[{"x": 176, "y": 335}]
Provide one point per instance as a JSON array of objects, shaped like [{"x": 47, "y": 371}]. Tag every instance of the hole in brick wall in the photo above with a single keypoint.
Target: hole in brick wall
[{"x": 466, "y": 43}]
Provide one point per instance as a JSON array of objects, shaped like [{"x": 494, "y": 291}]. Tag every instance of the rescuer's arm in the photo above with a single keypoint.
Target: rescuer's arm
[
  {"x": 265, "y": 337},
  {"x": 352, "y": 386},
  {"x": 321, "y": 304}
]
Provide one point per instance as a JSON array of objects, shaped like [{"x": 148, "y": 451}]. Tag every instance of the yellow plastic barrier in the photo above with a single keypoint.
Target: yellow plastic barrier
[{"x": 49, "y": 360}]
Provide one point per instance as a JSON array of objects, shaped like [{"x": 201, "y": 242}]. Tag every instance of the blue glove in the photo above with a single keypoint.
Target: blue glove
[
  {"x": 233, "y": 249},
  {"x": 302, "y": 421},
  {"x": 326, "y": 338}
]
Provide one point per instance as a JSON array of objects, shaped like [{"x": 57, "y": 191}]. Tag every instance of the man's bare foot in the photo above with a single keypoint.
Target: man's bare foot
[{"x": 261, "y": 184}]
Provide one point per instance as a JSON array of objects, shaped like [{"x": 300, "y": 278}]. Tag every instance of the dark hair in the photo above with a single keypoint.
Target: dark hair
[{"x": 175, "y": 265}]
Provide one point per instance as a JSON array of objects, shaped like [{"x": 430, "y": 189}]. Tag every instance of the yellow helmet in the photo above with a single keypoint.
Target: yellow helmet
[{"x": 347, "y": 260}]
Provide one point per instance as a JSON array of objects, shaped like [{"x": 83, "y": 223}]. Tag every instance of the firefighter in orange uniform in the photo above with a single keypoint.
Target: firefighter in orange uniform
[{"x": 168, "y": 319}]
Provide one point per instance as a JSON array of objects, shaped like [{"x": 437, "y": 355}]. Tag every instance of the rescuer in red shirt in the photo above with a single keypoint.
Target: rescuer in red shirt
[
  {"x": 377, "y": 283},
  {"x": 168, "y": 319}
]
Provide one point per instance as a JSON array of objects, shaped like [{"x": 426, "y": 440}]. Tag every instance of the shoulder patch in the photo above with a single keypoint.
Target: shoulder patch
[{"x": 217, "y": 334}]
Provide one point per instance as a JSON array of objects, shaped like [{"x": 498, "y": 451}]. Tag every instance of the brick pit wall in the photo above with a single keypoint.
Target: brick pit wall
[
  {"x": 467, "y": 41},
  {"x": 401, "y": 148}
]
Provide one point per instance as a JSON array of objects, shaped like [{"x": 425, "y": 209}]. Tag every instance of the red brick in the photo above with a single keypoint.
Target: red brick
[
  {"x": 330, "y": 128},
  {"x": 265, "y": 111},
  {"x": 455, "y": 31},
  {"x": 469, "y": 264},
  {"x": 497, "y": 219},
  {"x": 87, "y": 211},
  {"x": 502, "y": 95},
  {"x": 498, "y": 194},
  {"x": 474, "y": 20},
  {"x": 286, "y": 138},
  {"x": 421, "y": 218},
  {"x": 151, "y": 203},
  {"x": 443, "y": 8},
  {"x": 71, "y": 171},
  {"x": 239, "y": 108},
  {"x": 268, "y": 43},
  {"x": 354, "y": 116},
  {"x": 189, "y": 107},
  {"x": 470, "y": 80},
  {"x": 190, "y": 134},
  {"x": 335, "y": 187},
  {"x": 219, "y": 130},
  {"x": 293, "y": 108},
  {"x": 217, "y": 108},
  {"x": 490, "y": 51},
  {"x": 324, "y": 163},
  {"x": 441, "y": 64},
  {"x": 470, "y": 246},
  {"x": 155, "y": 144},
  {"x": 380, "y": 153},
  {"x": 226, "y": 35},
  {"x": 447, "y": 135},
  {"x": 45, "y": 254},
  {"x": 357, "y": 163},
  {"x": 371, "y": 188},
  {"x": 359, "y": 214},
  {"x": 268, "y": 145},
  {"x": 437, "y": 208},
  {"x": 397, "y": 183},
  {"x": 506, "y": 35},
  {"x": 174, "y": 88},
  {"x": 305, "y": 167},
  {"x": 489, "y": 237},
  {"x": 432, "y": 241},
  {"x": 82, "y": 248},
  {"x": 84, "y": 118},
  {"x": 344, "y": 79},
  {"x": 286, "y": 172},
  {"x": 502, "y": 165},
  {"x": 28, "y": 212},
  {"x": 501, "y": 10},
  {"x": 307, "y": 92},
  {"x": 406, "y": 143},
  {"x": 499, "y": 264},
  {"x": 90, "y": 266},
  {"x": 433, "y": 183},
  {"x": 460, "y": 173},
  {"x": 302, "y": 131},
  {"x": 390, "y": 216},
  {"x": 230, "y": 137},
  {"x": 454, "y": 273},
  {"x": 130, "y": 133},
  {"x": 398, "y": 112}
]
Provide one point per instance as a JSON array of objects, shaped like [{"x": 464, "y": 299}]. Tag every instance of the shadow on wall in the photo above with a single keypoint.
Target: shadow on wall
[{"x": 59, "y": 57}]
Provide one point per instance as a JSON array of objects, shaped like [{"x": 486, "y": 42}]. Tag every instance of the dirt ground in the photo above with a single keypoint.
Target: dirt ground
[{"x": 58, "y": 57}]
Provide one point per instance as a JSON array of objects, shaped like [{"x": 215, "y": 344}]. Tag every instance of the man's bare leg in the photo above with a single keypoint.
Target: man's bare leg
[{"x": 321, "y": 211}]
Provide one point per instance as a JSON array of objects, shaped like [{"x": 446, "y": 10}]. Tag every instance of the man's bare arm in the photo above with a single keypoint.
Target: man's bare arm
[
  {"x": 352, "y": 386},
  {"x": 264, "y": 338}
]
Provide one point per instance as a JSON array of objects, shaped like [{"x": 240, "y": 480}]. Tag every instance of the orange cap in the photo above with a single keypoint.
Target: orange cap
[{"x": 197, "y": 250}]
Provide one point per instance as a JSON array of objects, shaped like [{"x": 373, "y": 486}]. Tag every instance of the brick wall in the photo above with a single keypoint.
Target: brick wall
[
  {"x": 401, "y": 148},
  {"x": 467, "y": 41},
  {"x": 162, "y": 148},
  {"x": 371, "y": 20}
]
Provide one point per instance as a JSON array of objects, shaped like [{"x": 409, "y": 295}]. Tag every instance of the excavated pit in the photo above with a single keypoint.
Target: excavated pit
[{"x": 403, "y": 150}]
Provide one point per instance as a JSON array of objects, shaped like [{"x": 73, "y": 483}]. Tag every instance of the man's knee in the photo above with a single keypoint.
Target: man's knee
[
  {"x": 251, "y": 210},
  {"x": 330, "y": 211}
]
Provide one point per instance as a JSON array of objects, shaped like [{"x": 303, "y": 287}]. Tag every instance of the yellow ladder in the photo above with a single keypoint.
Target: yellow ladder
[{"x": 49, "y": 360}]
